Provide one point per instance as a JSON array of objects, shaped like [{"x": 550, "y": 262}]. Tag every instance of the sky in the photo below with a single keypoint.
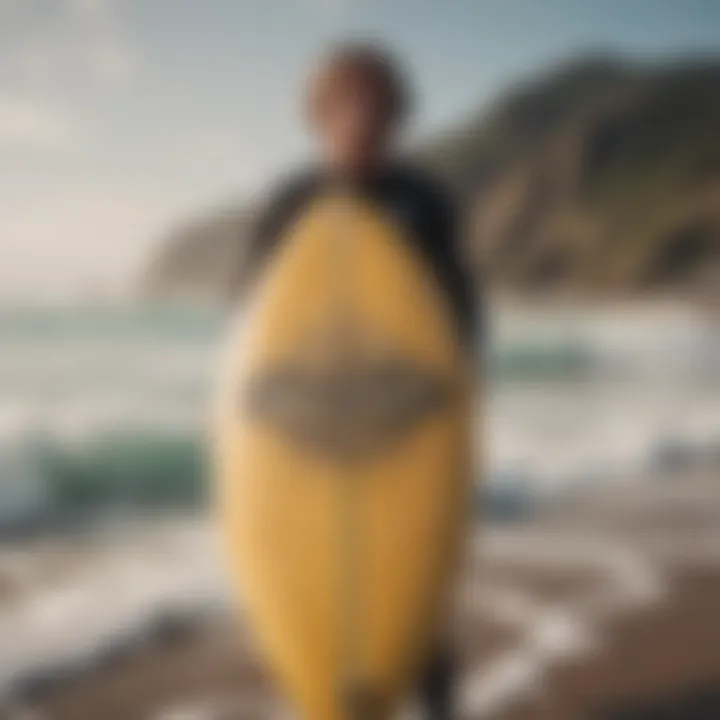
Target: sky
[{"x": 119, "y": 119}]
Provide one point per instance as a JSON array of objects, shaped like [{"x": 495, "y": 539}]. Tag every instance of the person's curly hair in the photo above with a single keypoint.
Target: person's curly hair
[{"x": 359, "y": 62}]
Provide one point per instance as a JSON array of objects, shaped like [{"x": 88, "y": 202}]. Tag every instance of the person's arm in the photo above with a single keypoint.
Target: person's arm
[
  {"x": 265, "y": 231},
  {"x": 447, "y": 239}
]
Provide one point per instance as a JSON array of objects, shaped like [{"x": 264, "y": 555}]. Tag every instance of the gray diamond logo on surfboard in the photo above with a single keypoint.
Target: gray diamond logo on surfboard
[{"x": 347, "y": 396}]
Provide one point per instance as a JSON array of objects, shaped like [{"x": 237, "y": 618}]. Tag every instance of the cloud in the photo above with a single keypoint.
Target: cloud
[
  {"x": 112, "y": 61},
  {"x": 78, "y": 237},
  {"x": 10, "y": 9},
  {"x": 70, "y": 42},
  {"x": 28, "y": 123},
  {"x": 329, "y": 7},
  {"x": 108, "y": 51},
  {"x": 89, "y": 8}
]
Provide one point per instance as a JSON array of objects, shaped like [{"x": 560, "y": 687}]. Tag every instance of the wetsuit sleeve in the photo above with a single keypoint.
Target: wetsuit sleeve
[
  {"x": 267, "y": 226},
  {"x": 446, "y": 235}
]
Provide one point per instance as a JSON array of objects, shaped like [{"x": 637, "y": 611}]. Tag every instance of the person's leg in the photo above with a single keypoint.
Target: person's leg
[{"x": 436, "y": 686}]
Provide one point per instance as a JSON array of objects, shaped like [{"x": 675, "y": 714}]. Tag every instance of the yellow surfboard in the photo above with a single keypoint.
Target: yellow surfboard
[{"x": 343, "y": 461}]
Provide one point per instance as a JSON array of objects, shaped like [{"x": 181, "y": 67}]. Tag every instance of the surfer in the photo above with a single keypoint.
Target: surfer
[{"x": 357, "y": 104}]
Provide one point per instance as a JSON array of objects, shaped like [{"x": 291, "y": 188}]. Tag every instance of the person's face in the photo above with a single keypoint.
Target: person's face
[{"x": 355, "y": 129}]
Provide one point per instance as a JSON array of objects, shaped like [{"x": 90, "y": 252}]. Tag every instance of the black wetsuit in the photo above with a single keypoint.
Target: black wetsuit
[
  {"x": 431, "y": 222},
  {"x": 412, "y": 200}
]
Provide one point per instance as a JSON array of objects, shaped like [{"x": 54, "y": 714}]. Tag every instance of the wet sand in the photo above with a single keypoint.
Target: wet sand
[
  {"x": 608, "y": 611},
  {"x": 665, "y": 657}
]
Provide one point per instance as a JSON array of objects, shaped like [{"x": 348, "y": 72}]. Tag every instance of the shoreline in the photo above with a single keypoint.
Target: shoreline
[{"x": 555, "y": 608}]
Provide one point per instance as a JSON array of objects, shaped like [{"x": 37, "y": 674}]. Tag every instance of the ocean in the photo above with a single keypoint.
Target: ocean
[
  {"x": 104, "y": 409},
  {"x": 103, "y": 477}
]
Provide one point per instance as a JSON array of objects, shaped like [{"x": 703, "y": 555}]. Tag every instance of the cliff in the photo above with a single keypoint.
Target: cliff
[{"x": 599, "y": 176}]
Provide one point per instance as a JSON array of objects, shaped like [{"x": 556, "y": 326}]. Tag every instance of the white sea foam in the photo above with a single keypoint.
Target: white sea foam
[
  {"x": 648, "y": 380},
  {"x": 113, "y": 594}
]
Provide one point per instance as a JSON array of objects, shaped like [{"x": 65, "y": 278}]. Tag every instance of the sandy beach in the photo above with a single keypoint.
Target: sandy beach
[{"x": 602, "y": 605}]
